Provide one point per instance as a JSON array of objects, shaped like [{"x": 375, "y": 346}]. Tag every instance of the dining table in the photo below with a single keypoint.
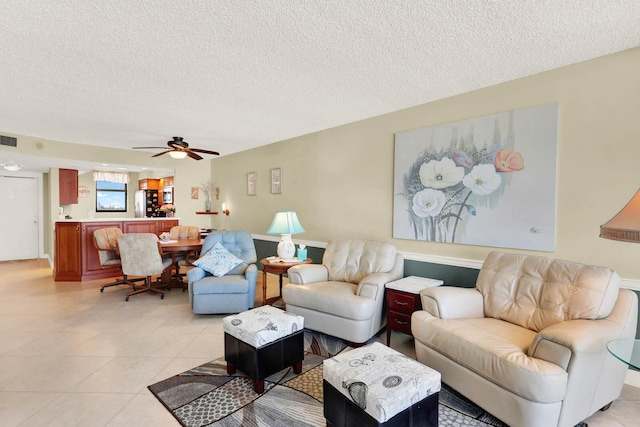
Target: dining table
[{"x": 189, "y": 248}]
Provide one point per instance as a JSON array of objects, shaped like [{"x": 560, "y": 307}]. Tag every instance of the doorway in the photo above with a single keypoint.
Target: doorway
[{"x": 20, "y": 217}]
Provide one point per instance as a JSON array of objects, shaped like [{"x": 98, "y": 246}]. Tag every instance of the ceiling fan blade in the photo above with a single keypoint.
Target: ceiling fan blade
[
  {"x": 215, "y": 153},
  {"x": 193, "y": 155},
  {"x": 145, "y": 148},
  {"x": 164, "y": 152}
]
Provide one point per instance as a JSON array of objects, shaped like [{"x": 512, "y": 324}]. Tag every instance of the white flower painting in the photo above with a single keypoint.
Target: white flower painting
[{"x": 488, "y": 181}]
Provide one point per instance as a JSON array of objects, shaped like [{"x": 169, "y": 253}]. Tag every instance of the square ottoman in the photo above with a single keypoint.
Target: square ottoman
[
  {"x": 263, "y": 341},
  {"x": 375, "y": 385}
]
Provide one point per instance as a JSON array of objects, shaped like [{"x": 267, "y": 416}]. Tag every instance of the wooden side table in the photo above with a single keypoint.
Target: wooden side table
[
  {"x": 278, "y": 268},
  {"x": 403, "y": 298}
]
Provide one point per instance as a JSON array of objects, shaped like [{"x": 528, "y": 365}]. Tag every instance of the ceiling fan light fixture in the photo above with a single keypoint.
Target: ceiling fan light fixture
[
  {"x": 13, "y": 167},
  {"x": 178, "y": 154}
]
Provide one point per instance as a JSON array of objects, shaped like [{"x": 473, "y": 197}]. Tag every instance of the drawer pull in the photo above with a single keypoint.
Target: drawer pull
[
  {"x": 400, "y": 322},
  {"x": 400, "y": 302}
]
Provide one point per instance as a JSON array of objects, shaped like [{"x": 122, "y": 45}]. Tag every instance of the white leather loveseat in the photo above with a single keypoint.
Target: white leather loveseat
[
  {"x": 528, "y": 343},
  {"x": 344, "y": 297}
]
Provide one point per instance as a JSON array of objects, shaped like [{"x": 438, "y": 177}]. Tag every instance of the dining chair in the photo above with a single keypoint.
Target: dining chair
[
  {"x": 141, "y": 257},
  {"x": 183, "y": 259},
  {"x": 105, "y": 241}
]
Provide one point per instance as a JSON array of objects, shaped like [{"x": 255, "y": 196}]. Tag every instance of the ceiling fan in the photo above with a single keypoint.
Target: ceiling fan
[{"x": 179, "y": 149}]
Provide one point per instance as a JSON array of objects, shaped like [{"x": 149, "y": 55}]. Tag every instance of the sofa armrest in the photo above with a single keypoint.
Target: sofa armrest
[
  {"x": 307, "y": 273},
  {"x": 251, "y": 273},
  {"x": 560, "y": 342},
  {"x": 372, "y": 286},
  {"x": 449, "y": 302},
  {"x": 195, "y": 274}
]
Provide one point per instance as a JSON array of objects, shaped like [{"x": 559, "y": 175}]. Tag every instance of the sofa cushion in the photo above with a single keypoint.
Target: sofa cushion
[
  {"x": 218, "y": 261},
  {"x": 262, "y": 325},
  {"x": 336, "y": 298},
  {"x": 230, "y": 284},
  {"x": 351, "y": 260},
  {"x": 497, "y": 351},
  {"x": 537, "y": 292}
]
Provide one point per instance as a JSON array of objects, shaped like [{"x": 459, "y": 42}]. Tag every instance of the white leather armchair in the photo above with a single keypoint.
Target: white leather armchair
[
  {"x": 527, "y": 344},
  {"x": 344, "y": 297}
]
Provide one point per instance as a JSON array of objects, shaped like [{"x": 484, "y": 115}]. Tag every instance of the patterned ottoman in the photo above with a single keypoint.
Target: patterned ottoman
[
  {"x": 375, "y": 385},
  {"x": 263, "y": 341}
]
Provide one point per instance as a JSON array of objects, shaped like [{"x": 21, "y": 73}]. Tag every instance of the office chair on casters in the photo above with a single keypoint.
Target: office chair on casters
[
  {"x": 183, "y": 259},
  {"x": 105, "y": 241},
  {"x": 140, "y": 257}
]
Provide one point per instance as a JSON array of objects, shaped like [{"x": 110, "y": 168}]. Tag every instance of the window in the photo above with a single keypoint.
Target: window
[{"x": 111, "y": 196}]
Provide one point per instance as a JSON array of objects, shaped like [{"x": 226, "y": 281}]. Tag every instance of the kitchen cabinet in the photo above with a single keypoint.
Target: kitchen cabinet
[
  {"x": 149, "y": 184},
  {"x": 68, "y": 185}
]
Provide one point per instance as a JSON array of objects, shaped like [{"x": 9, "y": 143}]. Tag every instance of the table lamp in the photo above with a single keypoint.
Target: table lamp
[{"x": 286, "y": 223}]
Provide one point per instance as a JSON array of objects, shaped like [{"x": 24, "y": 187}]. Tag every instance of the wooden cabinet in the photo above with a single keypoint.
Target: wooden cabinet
[
  {"x": 68, "y": 184},
  {"x": 166, "y": 225},
  {"x": 167, "y": 181},
  {"x": 90, "y": 259},
  {"x": 403, "y": 298},
  {"x": 400, "y": 306},
  {"x": 68, "y": 254},
  {"x": 140, "y": 227},
  {"x": 76, "y": 258},
  {"x": 149, "y": 184}
]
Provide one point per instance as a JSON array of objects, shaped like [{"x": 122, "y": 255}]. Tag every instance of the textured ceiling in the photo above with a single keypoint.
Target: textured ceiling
[{"x": 229, "y": 75}]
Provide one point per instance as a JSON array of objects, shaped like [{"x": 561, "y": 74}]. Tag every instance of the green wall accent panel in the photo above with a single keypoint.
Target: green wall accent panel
[{"x": 451, "y": 275}]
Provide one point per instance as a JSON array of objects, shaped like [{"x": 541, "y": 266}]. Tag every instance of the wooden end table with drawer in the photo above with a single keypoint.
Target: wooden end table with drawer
[{"x": 403, "y": 298}]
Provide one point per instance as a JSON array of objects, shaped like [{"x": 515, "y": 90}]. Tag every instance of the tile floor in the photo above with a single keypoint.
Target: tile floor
[{"x": 71, "y": 356}]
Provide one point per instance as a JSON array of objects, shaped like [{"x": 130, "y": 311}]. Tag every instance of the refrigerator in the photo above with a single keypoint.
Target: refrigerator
[{"x": 146, "y": 203}]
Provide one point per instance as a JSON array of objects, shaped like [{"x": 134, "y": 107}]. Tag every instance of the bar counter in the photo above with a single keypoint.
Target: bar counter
[{"x": 76, "y": 258}]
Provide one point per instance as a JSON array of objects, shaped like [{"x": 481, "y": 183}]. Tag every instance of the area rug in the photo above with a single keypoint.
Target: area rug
[{"x": 208, "y": 396}]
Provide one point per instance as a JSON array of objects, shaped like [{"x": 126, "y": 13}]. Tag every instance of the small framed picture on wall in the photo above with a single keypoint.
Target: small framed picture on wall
[
  {"x": 251, "y": 184},
  {"x": 276, "y": 181}
]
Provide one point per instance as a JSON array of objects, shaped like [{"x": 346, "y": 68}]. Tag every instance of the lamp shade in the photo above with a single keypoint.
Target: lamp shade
[
  {"x": 625, "y": 226},
  {"x": 285, "y": 222},
  {"x": 178, "y": 154}
]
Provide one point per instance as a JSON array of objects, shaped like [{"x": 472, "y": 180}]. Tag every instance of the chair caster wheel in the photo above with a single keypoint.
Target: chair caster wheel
[
  {"x": 126, "y": 299},
  {"x": 161, "y": 296},
  {"x": 184, "y": 289},
  {"x": 101, "y": 290},
  {"x": 135, "y": 289}
]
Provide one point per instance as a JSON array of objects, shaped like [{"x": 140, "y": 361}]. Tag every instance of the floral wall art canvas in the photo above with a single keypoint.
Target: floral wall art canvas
[{"x": 488, "y": 181}]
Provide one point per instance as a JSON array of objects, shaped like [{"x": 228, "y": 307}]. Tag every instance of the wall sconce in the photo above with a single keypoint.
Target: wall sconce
[{"x": 224, "y": 209}]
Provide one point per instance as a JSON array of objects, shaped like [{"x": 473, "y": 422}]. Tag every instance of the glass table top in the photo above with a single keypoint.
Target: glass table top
[{"x": 626, "y": 350}]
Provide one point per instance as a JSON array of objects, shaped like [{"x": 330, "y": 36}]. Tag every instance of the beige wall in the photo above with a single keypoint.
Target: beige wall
[{"x": 340, "y": 181}]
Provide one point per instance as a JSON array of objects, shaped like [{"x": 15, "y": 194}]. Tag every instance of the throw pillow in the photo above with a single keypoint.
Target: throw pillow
[{"x": 218, "y": 261}]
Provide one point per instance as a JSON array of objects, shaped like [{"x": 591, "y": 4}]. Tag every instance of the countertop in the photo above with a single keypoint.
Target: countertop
[{"x": 117, "y": 219}]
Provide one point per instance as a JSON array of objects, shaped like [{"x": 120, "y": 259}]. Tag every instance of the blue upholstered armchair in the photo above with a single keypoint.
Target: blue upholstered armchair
[{"x": 235, "y": 290}]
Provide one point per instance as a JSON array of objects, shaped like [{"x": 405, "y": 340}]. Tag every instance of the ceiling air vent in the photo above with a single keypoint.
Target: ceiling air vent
[{"x": 7, "y": 140}]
